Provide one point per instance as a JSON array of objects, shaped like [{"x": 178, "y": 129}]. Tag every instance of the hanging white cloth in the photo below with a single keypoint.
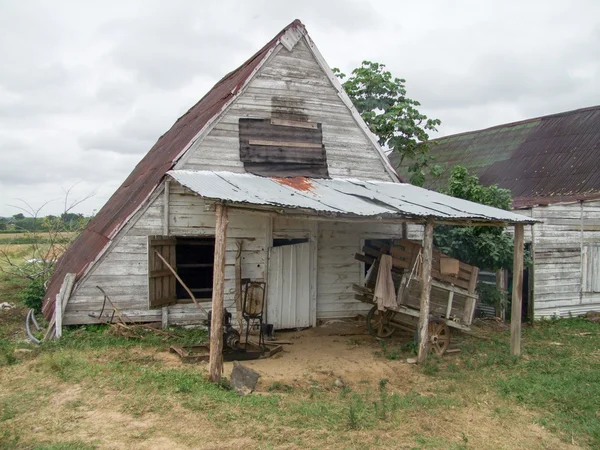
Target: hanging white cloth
[{"x": 385, "y": 295}]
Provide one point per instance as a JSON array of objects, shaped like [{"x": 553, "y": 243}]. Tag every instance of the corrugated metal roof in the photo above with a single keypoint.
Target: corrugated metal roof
[
  {"x": 150, "y": 171},
  {"x": 340, "y": 197},
  {"x": 545, "y": 160}
]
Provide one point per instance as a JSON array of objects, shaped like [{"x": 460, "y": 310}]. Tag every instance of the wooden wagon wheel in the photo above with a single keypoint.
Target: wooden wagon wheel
[
  {"x": 439, "y": 336},
  {"x": 378, "y": 323}
]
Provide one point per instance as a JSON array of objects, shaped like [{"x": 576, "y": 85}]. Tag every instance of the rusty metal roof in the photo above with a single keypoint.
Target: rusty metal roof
[
  {"x": 147, "y": 175},
  {"x": 340, "y": 197},
  {"x": 545, "y": 160}
]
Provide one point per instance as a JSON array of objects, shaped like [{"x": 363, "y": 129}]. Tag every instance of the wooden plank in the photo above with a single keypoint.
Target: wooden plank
[
  {"x": 166, "y": 201},
  {"x": 294, "y": 123},
  {"x": 425, "y": 292},
  {"x": 371, "y": 251},
  {"x": 449, "y": 306},
  {"x": 473, "y": 281},
  {"x": 238, "y": 283},
  {"x": 282, "y": 155},
  {"x": 266, "y": 143},
  {"x": 517, "y": 292},
  {"x": 363, "y": 258},
  {"x": 501, "y": 279},
  {"x": 215, "y": 363},
  {"x": 449, "y": 279}
]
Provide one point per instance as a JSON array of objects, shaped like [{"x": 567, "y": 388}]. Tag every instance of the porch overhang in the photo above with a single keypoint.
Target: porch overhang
[{"x": 341, "y": 199}]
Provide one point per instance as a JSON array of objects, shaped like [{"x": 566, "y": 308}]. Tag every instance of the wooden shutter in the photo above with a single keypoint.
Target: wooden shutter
[
  {"x": 285, "y": 148},
  {"x": 161, "y": 281}
]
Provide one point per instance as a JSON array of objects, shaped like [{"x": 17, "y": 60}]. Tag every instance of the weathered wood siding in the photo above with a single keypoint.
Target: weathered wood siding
[
  {"x": 337, "y": 268},
  {"x": 123, "y": 274},
  {"x": 292, "y": 84},
  {"x": 558, "y": 246}
]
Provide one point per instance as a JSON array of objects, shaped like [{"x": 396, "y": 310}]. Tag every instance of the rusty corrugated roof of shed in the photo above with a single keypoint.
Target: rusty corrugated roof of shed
[
  {"x": 544, "y": 160},
  {"x": 341, "y": 197},
  {"x": 147, "y": 175}
]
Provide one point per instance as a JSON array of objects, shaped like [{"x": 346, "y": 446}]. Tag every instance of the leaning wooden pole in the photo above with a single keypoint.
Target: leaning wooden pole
[
  {"x": 425, "y": 292},
  {"x": 215, "y": 363},
  {"x": 517, "y": 293}
]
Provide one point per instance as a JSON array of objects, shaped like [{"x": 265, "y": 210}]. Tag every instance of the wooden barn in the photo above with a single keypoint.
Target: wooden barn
[
  {"x": 551, "y": 165},
  {"x": 275, "y": 170}
]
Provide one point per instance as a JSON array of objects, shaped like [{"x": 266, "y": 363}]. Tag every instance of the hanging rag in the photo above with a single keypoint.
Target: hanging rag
[{"x": 385, "y": 295}]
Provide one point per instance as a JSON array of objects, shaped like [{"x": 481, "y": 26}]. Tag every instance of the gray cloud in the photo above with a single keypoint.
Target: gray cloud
[{"x": 87, "y": 88}]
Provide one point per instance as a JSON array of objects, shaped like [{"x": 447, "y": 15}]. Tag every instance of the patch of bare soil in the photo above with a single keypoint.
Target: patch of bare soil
[{"x": 326, "y": 353}]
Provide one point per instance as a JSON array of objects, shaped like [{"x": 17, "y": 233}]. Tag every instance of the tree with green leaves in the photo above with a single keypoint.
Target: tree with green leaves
[
  {"x": 486, "y": 247},
  {"x": 394, "y": 118}
]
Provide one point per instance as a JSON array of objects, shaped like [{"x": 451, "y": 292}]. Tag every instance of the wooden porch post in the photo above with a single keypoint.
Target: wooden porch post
[
  {"x": 517, "y": 293},
  {"x": 215, "y": 363},
  {"x": 425, "y": 291}
]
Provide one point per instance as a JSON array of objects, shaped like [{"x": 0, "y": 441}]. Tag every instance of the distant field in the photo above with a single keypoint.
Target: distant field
[{"x": 31, "y": 238}]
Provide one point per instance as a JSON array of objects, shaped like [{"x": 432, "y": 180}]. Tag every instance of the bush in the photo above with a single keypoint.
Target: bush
[{"x": 33, "y": 294}]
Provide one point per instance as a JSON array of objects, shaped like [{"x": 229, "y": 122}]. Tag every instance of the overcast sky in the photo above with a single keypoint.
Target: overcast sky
[{"x": 86, "y": 88}]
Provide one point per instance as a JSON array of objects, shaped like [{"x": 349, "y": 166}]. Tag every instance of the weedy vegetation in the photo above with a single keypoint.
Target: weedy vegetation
[{"x": 94, "y": 389}]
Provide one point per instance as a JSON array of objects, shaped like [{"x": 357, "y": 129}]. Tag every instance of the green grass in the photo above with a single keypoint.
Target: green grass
[
  {"x": 557, "y": 379},
  {"x": 558, "y": 374}
]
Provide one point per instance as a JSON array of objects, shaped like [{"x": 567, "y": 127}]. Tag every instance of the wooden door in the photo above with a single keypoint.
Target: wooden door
[
  {"x": 288, "y": 291},
  {"x": 161, "y": 281}
]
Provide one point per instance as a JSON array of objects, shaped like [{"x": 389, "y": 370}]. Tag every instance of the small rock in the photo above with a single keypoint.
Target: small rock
[
  {"x": 411, "y": 360},
  {"x": 22, "y": 350},
  {"x": 243, "y": 379},
  {"x": 6, "y": 305},
  {"x": 339, "y": 382}
]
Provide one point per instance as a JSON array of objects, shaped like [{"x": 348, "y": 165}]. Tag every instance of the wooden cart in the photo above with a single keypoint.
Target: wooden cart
[{"x": 452, "y": 298}]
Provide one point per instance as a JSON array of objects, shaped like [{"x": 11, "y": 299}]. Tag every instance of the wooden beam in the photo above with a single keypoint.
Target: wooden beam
[
  {"x": 295, "y": 124},
  {"x": 238, "y": 284},
  {"x": 517, "y": 293},
  {"x": 166, "y": 195},
  {"x": 531, "y": 281},
  {"x": 425, "y": 291},
  {"x": 501, "y": 286},
  {"x": 215, "y": 362},
  {"x": 61, "y": 302},
  {"x": 264, "y": 143},
  {"x": 170, "y": 270}
]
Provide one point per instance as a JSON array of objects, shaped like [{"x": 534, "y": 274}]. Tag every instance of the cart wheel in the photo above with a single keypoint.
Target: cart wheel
[
  {"x": 378, "y": 323},
  {"x": 439, "y": 336}
]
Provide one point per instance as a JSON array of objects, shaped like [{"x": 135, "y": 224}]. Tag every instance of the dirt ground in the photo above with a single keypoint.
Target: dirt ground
[
  {"x": 344, "y": 350},
  {"x": 477, "y": 419},
  {"x": 336, "y": 349}
]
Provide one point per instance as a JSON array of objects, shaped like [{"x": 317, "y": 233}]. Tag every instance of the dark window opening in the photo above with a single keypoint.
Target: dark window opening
[
  {"x": 195, "y": 261},
  {"x": 282, "y": 242},
  {"x": 283, "y": 148}
]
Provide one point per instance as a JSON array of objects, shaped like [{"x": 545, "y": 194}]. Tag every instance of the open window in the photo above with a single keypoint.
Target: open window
[
  {"x": 191, "y": 258},
  {"x": 195, "y": 265},
  {"x": 283, "y": 148}
]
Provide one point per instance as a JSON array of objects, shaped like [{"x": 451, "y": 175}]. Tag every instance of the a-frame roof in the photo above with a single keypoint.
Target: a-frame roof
[{"x": 163, "y": 156}]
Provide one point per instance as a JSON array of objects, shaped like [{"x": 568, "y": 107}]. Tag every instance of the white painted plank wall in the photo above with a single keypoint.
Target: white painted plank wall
[
  {"x": 123, "y": 274},
  {"x": 294, "y": 76},
  {"x": 337, "y": 268},
  {"x": 558, "y": 258}
]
